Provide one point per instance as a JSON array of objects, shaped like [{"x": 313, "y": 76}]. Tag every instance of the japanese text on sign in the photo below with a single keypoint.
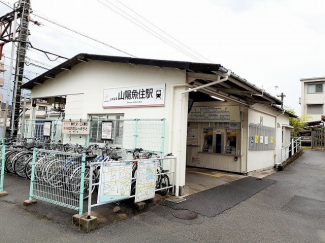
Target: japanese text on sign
[
  {"x": 217, "y": 114},
  {"x": 153, "y": 95},
  {"x": 76, "y": 127}
]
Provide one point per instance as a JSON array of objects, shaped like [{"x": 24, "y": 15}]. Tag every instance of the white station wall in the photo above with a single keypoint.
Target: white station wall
[
  {"x": 257, "y": 160},
  {"x": 84, "y": 86}
]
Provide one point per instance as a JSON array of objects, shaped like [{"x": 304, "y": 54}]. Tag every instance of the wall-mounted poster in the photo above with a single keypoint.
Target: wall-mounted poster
[
  {"x": 76, "y": 127},
  {"x": 47, "y": 129},
  {"x": 149, "y": 95},
  {"x": 261, "y": 139},
  {"x": 107, "y": 129}
]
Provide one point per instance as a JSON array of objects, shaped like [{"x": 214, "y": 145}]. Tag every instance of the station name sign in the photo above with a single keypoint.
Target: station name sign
[{"x": 149, "y": 95}]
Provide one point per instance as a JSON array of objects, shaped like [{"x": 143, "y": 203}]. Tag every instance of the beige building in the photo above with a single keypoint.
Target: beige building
[{"x": 312, "y": 97}]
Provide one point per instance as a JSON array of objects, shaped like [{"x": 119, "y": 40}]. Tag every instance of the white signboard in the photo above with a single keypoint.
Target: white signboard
[
  {"x": 114, "y": 182},
  {"x": 215, "y": 114},
  {"x": 266, "y": 140},
  {"x": 47, "y": 129},
  {"x": 149, "y": 95},
  {"x": 107, "y": 129},
  {"x": 76, "y": 127},
  {"x": 146, "y": 180}
]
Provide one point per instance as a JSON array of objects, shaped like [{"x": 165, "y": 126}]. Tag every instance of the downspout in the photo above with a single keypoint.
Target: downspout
[
  {"x": 276, "y": 144},
  {"x": 171, "y": 114}
]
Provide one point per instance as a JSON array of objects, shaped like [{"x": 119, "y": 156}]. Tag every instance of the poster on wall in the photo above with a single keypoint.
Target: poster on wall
[
  {"x": 76, "y": 127},
  {"x": 114, "y": 182},
  {"x": 107, "y": 130},
  {"x": 261, "y": 139},
  {"x": 149, "y": 95},
  {"x": 146, "y": 180},
  {"x": 215, "y": 114},
  {"x": 47, "y": 129},
  {"x": 256, "y": 138}
]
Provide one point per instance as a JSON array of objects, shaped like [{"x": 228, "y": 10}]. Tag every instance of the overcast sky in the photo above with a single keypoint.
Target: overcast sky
[{"x": 268, "y": 42}]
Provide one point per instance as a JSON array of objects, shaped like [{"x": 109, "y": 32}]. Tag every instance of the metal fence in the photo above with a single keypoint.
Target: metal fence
[
  {"x": 35, "y": 129},
  {"x": 138, "y": 179},
  {"x": 2, "y": 166},
  {"x": 59, "y": 178},
  {"x": 148, "y": 134},
  {"x": 290, "y": 149}
]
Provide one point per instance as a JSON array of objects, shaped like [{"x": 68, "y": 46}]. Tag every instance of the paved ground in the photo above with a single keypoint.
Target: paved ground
[{"x": 290, "y": 210}]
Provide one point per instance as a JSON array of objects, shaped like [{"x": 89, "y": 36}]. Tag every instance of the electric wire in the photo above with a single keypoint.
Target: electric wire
[
  {"x": 84, "y": 35},
  {"x": 162, "y": 30},
  {"x": 48, "y": 26},
  {"x": 6, "y": 3},
  {"x": 148, "y": 29}
]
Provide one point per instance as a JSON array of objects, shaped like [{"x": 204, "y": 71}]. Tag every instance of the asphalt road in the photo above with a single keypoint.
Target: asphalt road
[{"x": 290, "y": 210}]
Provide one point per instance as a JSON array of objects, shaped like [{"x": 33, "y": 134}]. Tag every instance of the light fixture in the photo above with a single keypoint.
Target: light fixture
[{"x": 217, "y": 98}]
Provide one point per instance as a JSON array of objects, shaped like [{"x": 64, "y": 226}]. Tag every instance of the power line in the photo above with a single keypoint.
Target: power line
[
  {"x": 162, "y": 30},
  {"x": 74, "y": 38},
  {"x": 4, "y": 3},
  {"x": 84, "y": 35},
  {"x": 148, "y": 29}
]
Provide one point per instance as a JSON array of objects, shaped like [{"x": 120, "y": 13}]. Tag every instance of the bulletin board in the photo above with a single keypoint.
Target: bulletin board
[{"x": 261, "y": 138}]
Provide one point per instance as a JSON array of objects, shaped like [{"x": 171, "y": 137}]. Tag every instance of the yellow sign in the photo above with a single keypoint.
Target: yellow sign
[
  {"x": 271, "y": 140},
  {"x": 256, "y": 139}
]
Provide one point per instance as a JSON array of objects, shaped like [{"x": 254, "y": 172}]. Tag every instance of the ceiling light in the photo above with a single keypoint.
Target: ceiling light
[{"x": 214, "y": 97}]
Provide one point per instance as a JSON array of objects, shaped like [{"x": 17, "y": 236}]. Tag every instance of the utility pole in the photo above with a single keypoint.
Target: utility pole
[
  {"x": 20, "y": 63},
  {"x": 282, "y": 95},
  {"x": 20, "y": 11},
  {"x": 8, "y": 34}
]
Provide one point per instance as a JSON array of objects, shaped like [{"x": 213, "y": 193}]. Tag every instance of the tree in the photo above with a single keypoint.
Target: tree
[{"x": 298, "y": 124}]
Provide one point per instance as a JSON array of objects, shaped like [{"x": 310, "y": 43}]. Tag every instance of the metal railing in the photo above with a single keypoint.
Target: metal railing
[
  {"x": 2, "y": 166},
  {"x": 138, "y": 179},
  {"x": 290, "y": 149},
  {"x": 58, "y": 178},
  {"x": 148, "y": 134}
]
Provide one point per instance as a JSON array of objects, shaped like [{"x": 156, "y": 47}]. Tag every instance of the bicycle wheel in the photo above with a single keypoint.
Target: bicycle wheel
[
  {"x": 8, "y": 153},
  {"x": 75, "y": 182},
  {"x": 11, "y": 161},
  {"x": 53, "y": 173},
  {"x": 20, "y": 164},
  {"x": 28, "y": 168},
  {"x": 164, "y": 183}
]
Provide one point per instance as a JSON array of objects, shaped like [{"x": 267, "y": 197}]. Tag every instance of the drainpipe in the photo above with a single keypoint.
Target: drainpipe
[{"x": 171, "y": 113}]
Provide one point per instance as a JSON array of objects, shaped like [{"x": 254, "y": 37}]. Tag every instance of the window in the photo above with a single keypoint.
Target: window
[
  {"x": 96, "y": 128},
  {"x": 314, "y": 88},
  {"x": 42, "y": 108},
  {"x": 315, "y": 109}
]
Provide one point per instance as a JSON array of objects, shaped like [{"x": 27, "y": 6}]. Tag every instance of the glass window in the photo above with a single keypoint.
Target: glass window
[
  {"x": 42, "y": 108},
  {"x": 231, "y": 142},
  {"x": 319, "y": 88},
  {"x": 208, "y": 140},
  {"x": 96, "y": 128},
  {"x": 314, "y": 88}
]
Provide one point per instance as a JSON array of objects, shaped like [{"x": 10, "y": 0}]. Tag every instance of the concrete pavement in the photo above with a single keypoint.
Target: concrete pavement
[{"x": 290, "y": 210}]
